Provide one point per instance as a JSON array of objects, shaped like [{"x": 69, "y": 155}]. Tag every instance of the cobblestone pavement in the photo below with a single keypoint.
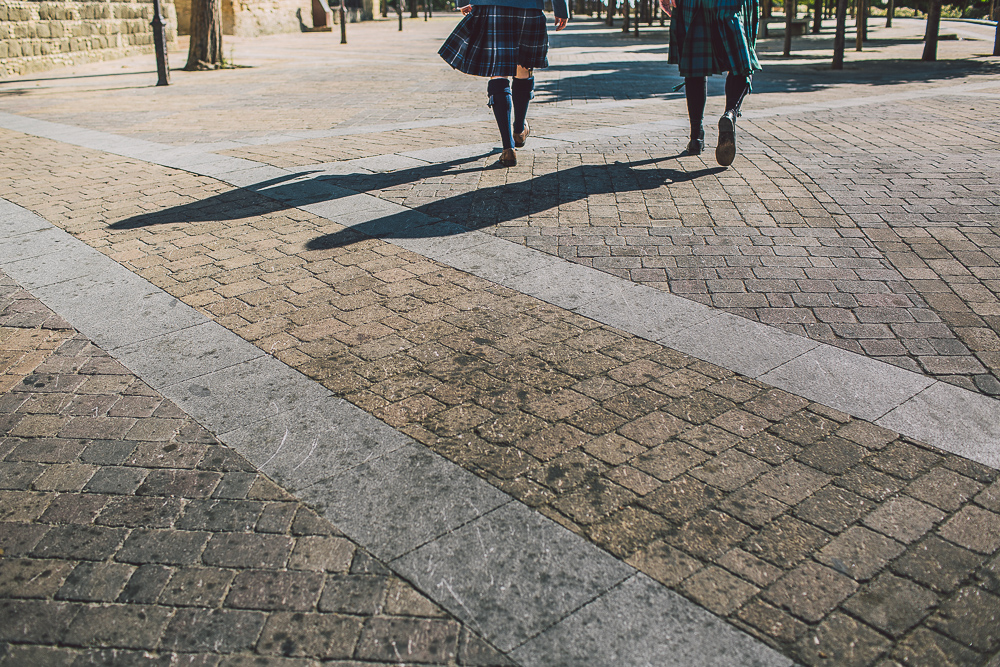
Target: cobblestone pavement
[
  {"x": 130, "y": 535},
  {"x": 871, "y": 226}
]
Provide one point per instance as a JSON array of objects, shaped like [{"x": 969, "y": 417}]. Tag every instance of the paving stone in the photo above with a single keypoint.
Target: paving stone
[
  {"x": 171, "y": 547},
  {"x": 791, "y": 483},
  {"x": 841, "y": 640},
  {"x": 974, "y": 528},
  {"x": 810, "y": 591},
  {"x": 247, "y": 551},
  {"x": 197, "y": 587},
  {"x": 362, "y": 595},
  {"x": 926, "y": 647},
  {"x": 78, "y": 541},
  {"x": 937, "y": 564},
  {"x": 833, "y": 509},
  {"x": 425, "y": 640},
  {"x": 222, "y": 630},
  {"x": 286, "y": 591},
  {"x": 145, "y": 585},
  {"x": 891, "y": 604},
  {"x": 972, "y": 617},
  {"x": 717, "y": 590},
  {"x": 786, "y": 541},
  {"x": 132, "y": 511},
  {"x": 123, "y": 626},
  {"x": 328, "y": 636},
  {"x": 95, "y": 582},
  {"x": 35, "y": 621},
  {"x": 709, "y": 535},
  {"x": 904, "y": 519},
  {"x": 666, "y": 564}
]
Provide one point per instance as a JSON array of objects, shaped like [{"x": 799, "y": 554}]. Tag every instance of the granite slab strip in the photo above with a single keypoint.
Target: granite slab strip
[
  {"x": 974, "y": 434},
  {"x": 852, "y": 383},
  {"x": 512, "y": 573},
  {"x": 600, "y": 634},
  {"x": 518, "y": 573}
]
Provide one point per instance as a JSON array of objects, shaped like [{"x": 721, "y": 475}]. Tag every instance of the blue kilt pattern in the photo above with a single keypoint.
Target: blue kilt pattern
[
  {"x": 714, "y": 36},
  {"x": 493, "y": 40}
]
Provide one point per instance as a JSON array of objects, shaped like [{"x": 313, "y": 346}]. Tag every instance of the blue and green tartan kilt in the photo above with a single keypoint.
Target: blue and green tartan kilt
[
  {"x": 493, "y": 40},
  {"x": 714, "y": 36}
]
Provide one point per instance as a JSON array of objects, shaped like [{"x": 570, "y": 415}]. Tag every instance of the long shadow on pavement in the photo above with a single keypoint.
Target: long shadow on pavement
[{"x": 476, "y": 209}]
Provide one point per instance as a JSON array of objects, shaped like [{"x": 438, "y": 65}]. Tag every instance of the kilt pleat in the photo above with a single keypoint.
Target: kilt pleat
[
  {"x": 714, "y": 36},
  {"x": 493, "y": 40}
]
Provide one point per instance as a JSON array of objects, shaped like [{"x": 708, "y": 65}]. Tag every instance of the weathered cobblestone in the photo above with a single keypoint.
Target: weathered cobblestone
[{"x": 141, "y": 566}]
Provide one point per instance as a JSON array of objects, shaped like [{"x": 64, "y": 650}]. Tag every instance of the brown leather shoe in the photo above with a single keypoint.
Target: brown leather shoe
[
  {"x": 521, "y": 137},
  {"x": 508, "y": 158}
]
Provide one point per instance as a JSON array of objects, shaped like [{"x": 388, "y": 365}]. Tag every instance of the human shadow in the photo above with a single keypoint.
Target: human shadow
[{"x": 495, "y": 205}]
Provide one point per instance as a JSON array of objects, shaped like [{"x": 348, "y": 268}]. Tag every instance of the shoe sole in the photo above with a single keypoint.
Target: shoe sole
[
  {"x": 519, "y": 140},
  {"x": 725, "y": 152}
]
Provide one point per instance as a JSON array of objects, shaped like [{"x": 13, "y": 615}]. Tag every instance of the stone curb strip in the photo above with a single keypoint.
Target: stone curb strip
[
  {"x": 942, "y": 415},
  {"x": 528, "y": 585}
]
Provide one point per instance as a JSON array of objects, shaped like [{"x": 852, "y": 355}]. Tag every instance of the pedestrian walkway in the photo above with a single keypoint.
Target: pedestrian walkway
[{"x": 615, "y": 405}]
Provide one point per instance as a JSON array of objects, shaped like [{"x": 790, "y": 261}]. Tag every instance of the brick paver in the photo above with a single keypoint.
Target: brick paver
[
  {"x": 163, "y": 544},
  {"x": 832, "y": 539}
]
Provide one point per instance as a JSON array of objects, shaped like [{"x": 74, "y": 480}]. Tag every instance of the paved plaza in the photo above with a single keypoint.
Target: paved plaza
[{"x": 292, "y": 373}]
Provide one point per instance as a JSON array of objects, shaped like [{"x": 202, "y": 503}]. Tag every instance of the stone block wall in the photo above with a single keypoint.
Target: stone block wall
[
  {"x": 38, "y": 35},
  {"x": 250, "y": 18}
]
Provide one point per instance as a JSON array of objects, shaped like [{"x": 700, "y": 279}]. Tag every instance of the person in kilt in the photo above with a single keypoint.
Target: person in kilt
[
  {"x": 500, "y": 39},
  {"x": 710, "y": 37}
]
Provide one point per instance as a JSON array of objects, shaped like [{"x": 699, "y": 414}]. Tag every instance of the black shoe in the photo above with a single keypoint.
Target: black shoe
[
  {"x": 697, "y": 144},
  {"x": 725, "y": 152}
]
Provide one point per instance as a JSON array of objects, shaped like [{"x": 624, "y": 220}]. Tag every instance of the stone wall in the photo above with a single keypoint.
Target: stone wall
[
  {"x": 39, "y": 35},
  {"x": 250, "y": 18}
]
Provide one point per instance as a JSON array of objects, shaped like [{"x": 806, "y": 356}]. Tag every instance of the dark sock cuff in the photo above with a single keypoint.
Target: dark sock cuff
[
  {"x": 523, "y": 84},
  {"x": 497, "y": 86}
]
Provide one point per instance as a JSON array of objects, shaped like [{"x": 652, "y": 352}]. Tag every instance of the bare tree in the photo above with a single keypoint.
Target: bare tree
[
  {"x": 205, "y": 51},
  {"x": 996, "y": 36}
]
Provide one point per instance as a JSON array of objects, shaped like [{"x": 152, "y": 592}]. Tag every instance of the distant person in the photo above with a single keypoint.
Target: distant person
[
  {"x": 710, "y": 37},
  {"x": 498, "y": 39}
]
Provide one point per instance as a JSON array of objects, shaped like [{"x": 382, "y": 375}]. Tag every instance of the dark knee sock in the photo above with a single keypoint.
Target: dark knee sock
[
  {"x": 695, "y": 93},
  {"x": 500, "y": 101},
  {"x": 737, "y": 87},
  {"x": 521, "y": 93}
]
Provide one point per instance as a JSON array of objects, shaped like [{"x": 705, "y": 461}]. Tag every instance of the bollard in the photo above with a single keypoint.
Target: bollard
[{"x": 160, "y": 46}]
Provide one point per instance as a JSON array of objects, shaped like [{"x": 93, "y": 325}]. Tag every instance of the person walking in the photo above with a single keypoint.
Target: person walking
[
  {"x": 500, "y": 39},
  {"x": 710, "y": 37}
]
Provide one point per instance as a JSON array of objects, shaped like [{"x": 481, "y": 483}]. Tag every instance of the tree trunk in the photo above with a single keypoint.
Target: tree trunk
[
  {"x": 890, "y": 13},
  {"x": 764, "y": 18},
  {"x": 626, "y": 21},
  {"x": 817, "y": 16},
  {"x": 413, "y": 9},
  {"x": 789, "y": 17},
  {"x": 205, "y": 51},
  {"x": 612, "y": 8},
  {"x": 840, "y": 35},
  {"x": 859, "y": 22},
  {"x": 933, "y": 27}
]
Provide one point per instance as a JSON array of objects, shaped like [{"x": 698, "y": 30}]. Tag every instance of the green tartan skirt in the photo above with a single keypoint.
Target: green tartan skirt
[{"x": 714, "y": 36}]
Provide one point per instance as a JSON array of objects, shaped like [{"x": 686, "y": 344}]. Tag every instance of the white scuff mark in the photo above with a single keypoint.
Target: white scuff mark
[
  {"x": 277, "y": 450},
  {"x": 471, "y": 616},
  {"x": 312, "y": 449},
  {"x": 486, "y": 553}
]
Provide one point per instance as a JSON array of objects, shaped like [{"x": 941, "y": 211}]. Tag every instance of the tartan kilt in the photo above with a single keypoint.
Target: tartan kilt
[
  {"x": 714, "y": 36},
  {"x": 493, "y": 40}
]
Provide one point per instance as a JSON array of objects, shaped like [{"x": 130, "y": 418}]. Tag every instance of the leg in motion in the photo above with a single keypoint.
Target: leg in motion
[
  {"x": 521, "y": 93},
  {"x": 695, "y": 93},
  {"x": 500, "y": 101},
  {"x": 737, "y": 87}
]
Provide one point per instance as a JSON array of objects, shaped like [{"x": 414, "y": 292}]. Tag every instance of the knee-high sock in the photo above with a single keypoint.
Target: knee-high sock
[
  {"x": 737, "y": 87},
  {"x": 500, "y": 101},
  {"x": 695, "y": 93},
  {"x": 521, "y": 93}
]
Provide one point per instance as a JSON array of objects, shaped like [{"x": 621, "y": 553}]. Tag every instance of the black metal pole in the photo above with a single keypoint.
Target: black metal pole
[
  {"x": 840, "y": 36},
  {"x": 160, "y": 46},
  {"x": 343, "y": 23}
]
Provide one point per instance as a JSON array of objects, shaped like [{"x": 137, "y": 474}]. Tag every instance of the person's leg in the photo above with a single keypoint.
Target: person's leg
[
  {"x": 737, "y": 87},
  {"x": 501, "y": 103},
  {"x": 521, "y": 93},
  {"x": 695, "y": 92}
]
